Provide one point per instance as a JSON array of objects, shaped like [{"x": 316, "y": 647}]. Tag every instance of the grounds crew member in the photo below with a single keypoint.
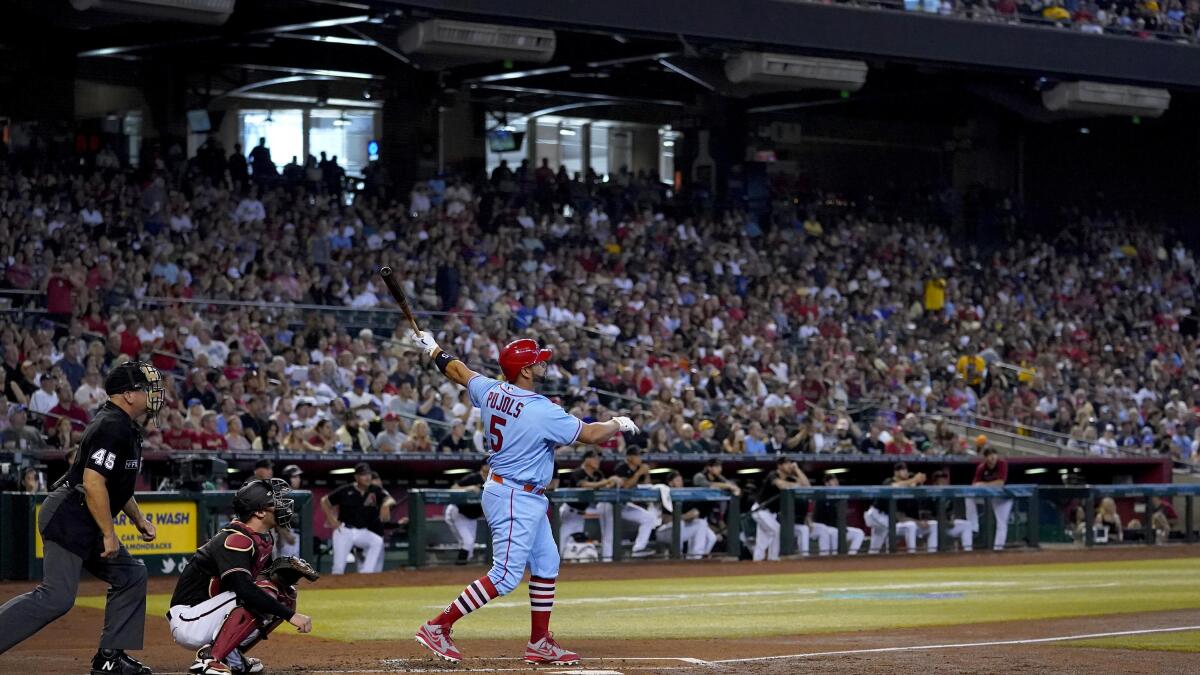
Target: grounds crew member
[{"x": 76, "y": 523}]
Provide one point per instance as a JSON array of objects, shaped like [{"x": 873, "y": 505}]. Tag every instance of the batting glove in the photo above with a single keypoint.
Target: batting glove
[
  {"x": 627, "y": 425},
  {"x": 424, "y": 340}
]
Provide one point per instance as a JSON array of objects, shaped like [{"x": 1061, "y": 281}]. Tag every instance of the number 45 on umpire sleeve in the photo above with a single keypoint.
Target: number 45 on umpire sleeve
[
  {"x": 495, "y": 436},
  {"x": 103, "y": 458}
]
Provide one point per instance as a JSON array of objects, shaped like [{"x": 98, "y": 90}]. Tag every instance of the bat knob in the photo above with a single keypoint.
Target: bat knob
[{"x": 385, "y": 271}]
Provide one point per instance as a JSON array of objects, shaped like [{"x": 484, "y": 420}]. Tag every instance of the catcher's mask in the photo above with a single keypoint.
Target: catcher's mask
[{"x": 265, "y": 495}]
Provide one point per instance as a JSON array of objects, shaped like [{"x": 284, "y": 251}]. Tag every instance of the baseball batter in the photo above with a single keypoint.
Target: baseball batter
[{"x": 522, "y": 429}]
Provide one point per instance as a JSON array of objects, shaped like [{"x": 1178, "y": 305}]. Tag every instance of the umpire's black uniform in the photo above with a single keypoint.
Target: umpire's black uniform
[{"x": 112, "y": 447}]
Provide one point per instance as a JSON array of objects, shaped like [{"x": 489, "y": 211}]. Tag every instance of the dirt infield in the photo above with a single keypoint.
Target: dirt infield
[{"x": 67, "y": 645}]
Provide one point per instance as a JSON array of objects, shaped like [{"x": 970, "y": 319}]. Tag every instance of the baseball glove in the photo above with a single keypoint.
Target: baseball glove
[{"x": 286, "y": 571}]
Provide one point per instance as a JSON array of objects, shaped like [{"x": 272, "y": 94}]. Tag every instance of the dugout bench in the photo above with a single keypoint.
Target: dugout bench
[
  {"x": 941, "y": 494},
  {"x": 418, "y": 530}
]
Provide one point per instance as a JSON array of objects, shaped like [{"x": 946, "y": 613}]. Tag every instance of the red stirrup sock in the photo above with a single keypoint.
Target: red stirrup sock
[{"x": 541, "y": 603}]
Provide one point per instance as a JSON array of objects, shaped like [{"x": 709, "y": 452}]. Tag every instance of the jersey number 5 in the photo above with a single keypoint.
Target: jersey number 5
[{"x": 495, "y": 437}]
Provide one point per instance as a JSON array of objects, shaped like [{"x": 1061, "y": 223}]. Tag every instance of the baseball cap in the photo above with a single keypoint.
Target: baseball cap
[
  {"x": 590, "y": 453},
  {"x": 264, "y": 464},
  {"x": 360, "y": 382},
  {"x": 362, "y": 468},
  {"x": 705, "y": 425},
  {"x": 291, "y": 470},
  {"x": 391, "y": 417}
]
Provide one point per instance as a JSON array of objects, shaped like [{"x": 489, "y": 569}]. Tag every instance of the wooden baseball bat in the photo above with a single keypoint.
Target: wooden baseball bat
[{"x": 393, "y": 286}]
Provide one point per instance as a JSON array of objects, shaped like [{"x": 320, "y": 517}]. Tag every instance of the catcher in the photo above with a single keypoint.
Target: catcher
[{"x": 231, "y": 595}]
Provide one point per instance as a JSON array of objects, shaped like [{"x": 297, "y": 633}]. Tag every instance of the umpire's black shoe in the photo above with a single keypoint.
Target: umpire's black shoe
[{"x": 117, "y": 662}]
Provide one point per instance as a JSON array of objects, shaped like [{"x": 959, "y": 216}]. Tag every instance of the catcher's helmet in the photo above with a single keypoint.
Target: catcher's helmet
[
  {"x": 519, "y": 354},
  {"x": 262, "y": 495},
  {"x": 137, "y": 376}
]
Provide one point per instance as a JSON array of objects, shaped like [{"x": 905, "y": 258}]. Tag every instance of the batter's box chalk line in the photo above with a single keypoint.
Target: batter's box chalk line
[{"x": 995, "y": 643}]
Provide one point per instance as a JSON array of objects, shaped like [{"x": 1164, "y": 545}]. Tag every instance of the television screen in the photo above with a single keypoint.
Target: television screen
[
  {"x": 198, "y": 122},
  {"x": 500, "y": 140}
]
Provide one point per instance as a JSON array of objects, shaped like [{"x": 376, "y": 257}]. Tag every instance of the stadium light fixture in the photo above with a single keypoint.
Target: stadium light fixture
[
  {"x": 341, "y": 472},
  {"x": 1034, "y": 472},
  {"x": 231, "y": 470},
  {"x": 1065, "y": 471},
  {"x": 662, "y": 469},
  {"x": 744, "y": 472},
  {"x": 564, "y": 470},
  {"x": 454, "y": 472},
  {"x": 834, "y": 472}
]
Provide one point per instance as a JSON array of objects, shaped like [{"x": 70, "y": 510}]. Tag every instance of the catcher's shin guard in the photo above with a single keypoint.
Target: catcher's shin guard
[{"x": 243, "y": 629}]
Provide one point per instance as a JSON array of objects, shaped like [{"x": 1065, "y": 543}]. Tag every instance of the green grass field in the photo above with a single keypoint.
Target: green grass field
[
  {"x": 1183, "y": 641},
  {"x": 739, "y": 606}
]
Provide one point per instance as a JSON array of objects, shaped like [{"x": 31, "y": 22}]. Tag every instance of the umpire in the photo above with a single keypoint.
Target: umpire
[{"x": 76, "y": 522}]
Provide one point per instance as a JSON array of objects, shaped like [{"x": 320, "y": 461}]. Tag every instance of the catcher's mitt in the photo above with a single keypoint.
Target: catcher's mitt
[{"x": 286, "y": 571}]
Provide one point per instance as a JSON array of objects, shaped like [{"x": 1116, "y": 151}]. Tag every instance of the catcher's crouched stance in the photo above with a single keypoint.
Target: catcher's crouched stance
[{"x": 231, "y": 596}]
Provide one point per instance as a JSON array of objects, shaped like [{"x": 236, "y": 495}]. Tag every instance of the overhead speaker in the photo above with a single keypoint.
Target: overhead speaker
[
  {"x": 213, "y": 12},
  {"x": 467, "y": 42},
  {"x": 1106, "y": 99},
  {"x": 788, "y": 71}
]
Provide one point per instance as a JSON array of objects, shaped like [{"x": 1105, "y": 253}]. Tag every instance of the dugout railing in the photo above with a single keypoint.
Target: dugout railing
[
  {"x": 941, "y": 496},
  {"x": 1033, "y": 500},
  {"x": 418, "y": 525}
]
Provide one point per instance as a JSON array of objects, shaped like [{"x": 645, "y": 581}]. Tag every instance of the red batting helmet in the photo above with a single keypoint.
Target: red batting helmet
[{"x": 519, "y": 354}]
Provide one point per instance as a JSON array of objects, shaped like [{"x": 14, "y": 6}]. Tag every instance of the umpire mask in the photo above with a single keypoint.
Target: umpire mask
[
  {"x": 138, "y": 376},
  {"x": 264, "y": 495}
]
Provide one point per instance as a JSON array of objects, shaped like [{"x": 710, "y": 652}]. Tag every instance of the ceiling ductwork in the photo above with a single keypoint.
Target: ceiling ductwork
[
  {"x": 212, "y": 12},
  {"x": 461, "y": 42},
  {"x": 788, "y": 71}
]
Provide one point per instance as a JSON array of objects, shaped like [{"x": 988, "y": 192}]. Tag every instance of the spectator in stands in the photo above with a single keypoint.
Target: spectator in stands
[
  {"x": 45, "y": 398},
  {"x": 687, "y": 442},
  {"x": 77, "y": 418},
  {"x": 90, "y": 395},
  {"x": 18, "y": 436},
  {"x": 418, "y": 439},
  {"x": 321, "y": 438},
  {"x": 353, "y": 437},
  {"x": 270, "y": 440},
  {"x": 456, "y": 440},
  {"x": 391, "y": 439},
  {"x": 235, "y": 437},
  {"x": 207, "y": 436}
]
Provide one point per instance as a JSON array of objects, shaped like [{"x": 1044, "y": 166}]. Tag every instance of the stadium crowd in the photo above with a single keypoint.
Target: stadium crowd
[
  {"x": 1174, "y": 20},
  {"x": 831, "y": 330}
]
